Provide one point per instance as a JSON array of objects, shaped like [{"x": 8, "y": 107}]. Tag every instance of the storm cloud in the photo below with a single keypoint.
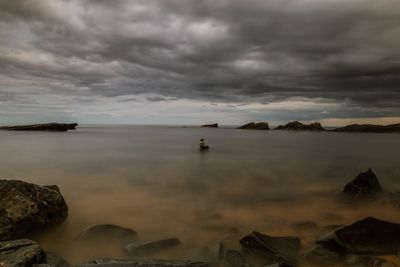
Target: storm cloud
[{"x": 193, "y": 60}]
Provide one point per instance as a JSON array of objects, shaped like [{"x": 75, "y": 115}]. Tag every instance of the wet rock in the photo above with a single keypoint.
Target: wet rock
[
  {"x": 141, "y": 263},
  {"x": 369, "y": 236},
  {"x": 364, "y": 187},
  {"x": 255, "y": 126},
  {"x": 140, "y": 248},
  {"x": 369, "y": 128},
  {"x": 214, "y": 125},
  {"x": 298, "y": 126},
  {"x": 321, "y": 255},
  {"x": 54, "y": 127},
  {"x": 107, "y": 233},
  {"x": 21, "y": 253},
  {"x": 57, "y": 260},
  {"x": 27, "y": 208},
  {"x": 264, "y": 249}
]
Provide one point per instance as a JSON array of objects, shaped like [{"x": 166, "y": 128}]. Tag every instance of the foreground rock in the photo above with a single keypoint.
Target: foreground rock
[
  {"x": 369, "y": 128},
  {"x": 298, "y": 126},
  {"x": 107, "y": 233},
  {"x": 364, "y": 187},
  {"x": 21, "y": 253},
  {"x": 369, "y": 236},
  {"x": 142, "y": 248},
  {"x": 215, "y": 125},
  {"x": 141, "y": 263},
  {"x": 255, "y": 126},
  {"x": 27, "y": 208},
  {"x": 55, "y": 127},
  {"x": 261, "y": 249}
]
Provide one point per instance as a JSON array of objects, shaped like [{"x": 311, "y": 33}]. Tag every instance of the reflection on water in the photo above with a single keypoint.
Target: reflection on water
[{"x": 157, "y": 182}]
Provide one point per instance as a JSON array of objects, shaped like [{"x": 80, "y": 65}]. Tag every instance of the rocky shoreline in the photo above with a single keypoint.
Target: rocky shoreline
[{"x": 27, "y": 208}]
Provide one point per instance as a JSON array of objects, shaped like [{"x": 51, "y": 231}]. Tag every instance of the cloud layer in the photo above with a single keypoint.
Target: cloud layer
[{"x": 99, "y": 60}]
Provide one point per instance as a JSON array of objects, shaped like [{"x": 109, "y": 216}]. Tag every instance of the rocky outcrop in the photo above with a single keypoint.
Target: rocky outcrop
[
  {"x": 107, "y": 233},
  {"x": 369, "y": 236},
  {"x": 255, "y": 126},
  {"x": 369, "y": 128},
  {"x": 265, "y": 250},
  {"x": 141, "y": 248},
  {"x": 214, "y": 125},
  {"x": 27, "y": 208},
  {"x": 54, "y": 127},
  {"x": 298, "y": 126},
  {"x": 364, "y": 186},
  {"x": 142, "y": 263},
  {"x": 21, "y": 253}
]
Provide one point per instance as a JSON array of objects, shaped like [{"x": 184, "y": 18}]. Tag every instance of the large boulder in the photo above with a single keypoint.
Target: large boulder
[
  {"x": 261, "y": 249},
  {"x": 21, "y": 253},
  {"x": 141, "y": 263},
  {"x": 54, "y": 127},
  {"x": 106, "y": 233},
  {"x": 28, "y": 208},
  {"x": 363, "y": 187},
  {"x": 298, "y": 126},
  {"x": 369, "y": 236},
  {"x": 255, "y": 126}
]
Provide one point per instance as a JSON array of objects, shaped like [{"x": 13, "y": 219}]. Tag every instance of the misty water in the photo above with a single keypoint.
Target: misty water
[{"x": 157, "y": 182}]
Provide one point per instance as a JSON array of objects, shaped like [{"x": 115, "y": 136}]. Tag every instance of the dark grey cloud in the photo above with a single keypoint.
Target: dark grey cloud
[{"x": 236, "y": 51}]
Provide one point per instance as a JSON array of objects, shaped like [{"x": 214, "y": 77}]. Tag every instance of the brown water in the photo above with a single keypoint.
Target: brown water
[{"x": 155, "y": 181}]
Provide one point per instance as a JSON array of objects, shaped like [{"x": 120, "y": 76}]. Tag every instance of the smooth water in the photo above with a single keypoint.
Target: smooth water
[{"x": 157, "y": 182}]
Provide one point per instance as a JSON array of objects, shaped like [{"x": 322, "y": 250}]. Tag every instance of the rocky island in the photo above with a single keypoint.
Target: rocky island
[
  {"x": 298, "y": 126},
  {"x": 369, "y": 128},
  {"x": 255, "y": 126},
  {"x": 54, "y": 127}
]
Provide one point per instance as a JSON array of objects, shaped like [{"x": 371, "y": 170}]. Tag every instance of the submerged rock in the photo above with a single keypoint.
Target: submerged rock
[
  {"x": 107, "y": 233},
  {"x": 364, "y": 187},
  {"x": 27, "y": 208},
  {"x": 139, "y": 248},
  {"x": 255, "y": 126},
  {"x": 369, "y": 128},
  {"x": 21, "y": 253},
  {"x": 56, "y": 127},
  {"x": 298, "y": 126},
  {"x": 142, "y": 263},
  {"x": 214, "y": 125},
  {"x": 267, "y": 249},
  {"x": 369, "y": 236}
]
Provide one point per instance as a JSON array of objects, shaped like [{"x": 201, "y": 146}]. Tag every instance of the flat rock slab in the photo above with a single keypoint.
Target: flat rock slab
[
  {"x": 271, "y": 249},
  {"x": 21, "y": 253},
  {"x": 28, "y": 208},
  {"x": 369, "y": 236},
  {"x": 107, "y": 233},
  {"x": 141, "y": 263},
  {"x": 140, "y": 248}
]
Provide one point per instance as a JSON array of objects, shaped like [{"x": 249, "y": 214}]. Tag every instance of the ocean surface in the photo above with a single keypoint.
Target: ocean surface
[{"x": 155, "y": 180}]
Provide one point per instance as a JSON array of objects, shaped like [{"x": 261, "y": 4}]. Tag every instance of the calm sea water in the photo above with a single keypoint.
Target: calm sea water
[{"x": 156, "y": 181}]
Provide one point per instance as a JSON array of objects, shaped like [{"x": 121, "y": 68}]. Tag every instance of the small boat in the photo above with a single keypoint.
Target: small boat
[{"x": 204, "y": 147}]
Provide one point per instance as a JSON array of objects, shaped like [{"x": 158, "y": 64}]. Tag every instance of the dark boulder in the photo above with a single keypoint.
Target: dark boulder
[
  {"x": 214, "y": 125},
  {"x": 28, "y": 208},
  {"x": 107, "y": 233},
  {"x": 364, "y": 187},
  {"x": 255, "y": 126},
  {"x": 140, "y": 248},
  {"x": 369, "y": 236},
  {"x": 298, "y": 126},
  {"x": 21, "y": 253},
  {"x": 264, "y": 249},
  {"x": 369, "y": 128},
  {"x": 142, "y": 263},
  {"x": 54, "y": 127}
]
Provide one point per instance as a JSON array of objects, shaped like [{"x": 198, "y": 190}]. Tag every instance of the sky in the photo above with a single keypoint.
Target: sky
[{"x": 199, "y": 61}]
